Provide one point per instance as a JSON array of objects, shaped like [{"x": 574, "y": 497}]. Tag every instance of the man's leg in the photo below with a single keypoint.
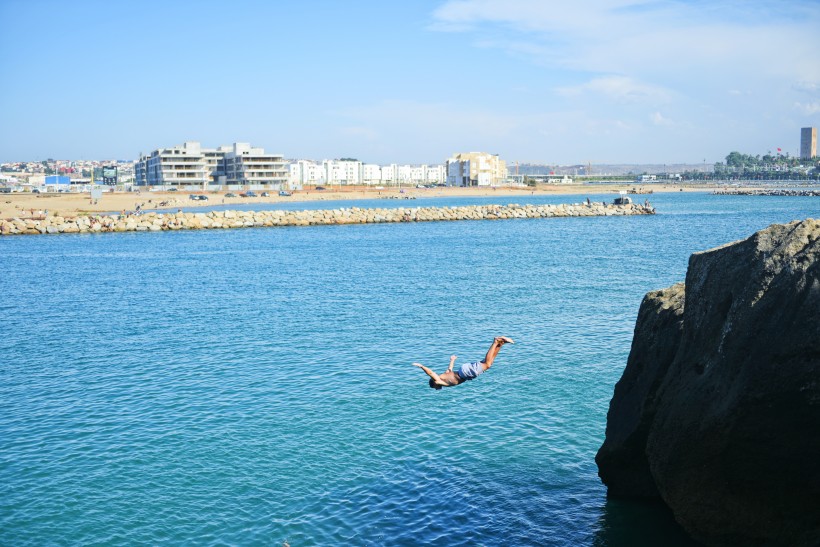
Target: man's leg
[
  {"x": 493, "y": 351},
  {"x": 436, "y": 378}
]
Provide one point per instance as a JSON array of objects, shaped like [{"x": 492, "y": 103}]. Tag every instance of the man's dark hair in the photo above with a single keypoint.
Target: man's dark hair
[{"x": 433, "y": 384}]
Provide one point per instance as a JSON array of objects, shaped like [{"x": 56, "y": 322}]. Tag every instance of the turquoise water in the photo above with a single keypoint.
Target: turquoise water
[{"x": 254, "y": 386}]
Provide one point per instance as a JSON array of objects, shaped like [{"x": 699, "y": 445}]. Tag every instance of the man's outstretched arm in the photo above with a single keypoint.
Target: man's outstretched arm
[
  {"x": 452, "y": 362},
  {"x": 436, "y": 378}
]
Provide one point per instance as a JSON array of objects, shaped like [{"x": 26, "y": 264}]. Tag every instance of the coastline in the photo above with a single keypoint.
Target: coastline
[{"x": 27, "y": 205}]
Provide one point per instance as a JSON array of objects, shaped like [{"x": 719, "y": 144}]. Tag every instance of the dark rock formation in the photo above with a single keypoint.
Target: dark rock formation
[
  {"x": 718, "y": 410},
  {"x": 622, "y": 459}
]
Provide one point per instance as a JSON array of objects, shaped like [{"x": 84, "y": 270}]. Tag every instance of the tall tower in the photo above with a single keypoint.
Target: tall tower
[{"x": 808, "y": 143}]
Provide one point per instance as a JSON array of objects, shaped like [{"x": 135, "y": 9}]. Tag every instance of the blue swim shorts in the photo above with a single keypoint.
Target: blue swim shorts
[{"x": 471, "y": 371}]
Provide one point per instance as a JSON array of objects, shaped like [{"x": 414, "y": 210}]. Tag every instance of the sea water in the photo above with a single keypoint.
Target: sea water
[{"x": 255, "y": 386}]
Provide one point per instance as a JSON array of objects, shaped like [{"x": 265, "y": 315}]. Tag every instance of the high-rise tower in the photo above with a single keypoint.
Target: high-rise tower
[{"x": 808, "y": 143}]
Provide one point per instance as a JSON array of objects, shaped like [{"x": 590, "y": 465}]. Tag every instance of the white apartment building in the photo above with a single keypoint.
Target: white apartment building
[
  {"x": 183, "y": 165},
  {"x": 342, "y": 172},
  {"x": 390, "y": 174},
  {"x": 305, "y": 172},
  {"x": 249, "y": 166},
  {"x": 371, "y": 174},
  {"x": 436, "y": 174},
  {"x": 427, "y": 174},
  {"x": 190, "y": 165},
  {"x": 475, "y": 169},
  {"x": 338, "y": 172}
]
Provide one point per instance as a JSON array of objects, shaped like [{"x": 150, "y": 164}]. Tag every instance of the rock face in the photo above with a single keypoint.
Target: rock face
[
  {"x": 622, "y": 462},
  {"x": 718, "y": 409}
]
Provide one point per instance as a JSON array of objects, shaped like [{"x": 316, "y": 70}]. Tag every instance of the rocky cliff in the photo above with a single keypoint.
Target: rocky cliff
[{"x": 718, "y": 409}]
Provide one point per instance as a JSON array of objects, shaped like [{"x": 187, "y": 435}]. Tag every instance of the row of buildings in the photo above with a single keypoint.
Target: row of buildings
[
  {"x": 354, "y": 172},
  {"x": 190, "y": 165}
]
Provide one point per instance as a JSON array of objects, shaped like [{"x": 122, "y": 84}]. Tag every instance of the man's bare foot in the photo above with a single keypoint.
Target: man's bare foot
[
  {"x": 418, "y": 365},
  {"x": 504, "y": 340}
]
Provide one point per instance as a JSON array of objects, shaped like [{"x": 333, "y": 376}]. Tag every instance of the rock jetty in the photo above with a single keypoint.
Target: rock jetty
[
  {"x": 718, "y": 409},
  {"x": 765, "y": 192},
  {"x": 354, "y": 215}
]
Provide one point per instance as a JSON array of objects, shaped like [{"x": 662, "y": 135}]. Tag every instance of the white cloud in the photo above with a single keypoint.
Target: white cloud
[
  {"x": 658, "y": 119},
  {"x": 649, "y": 37},
  {"x": 811, "y": 88},
  {"x": 696, "y": 78},
  {"x": 809, "y": 109},
  {"x": 619, "y": 88}
]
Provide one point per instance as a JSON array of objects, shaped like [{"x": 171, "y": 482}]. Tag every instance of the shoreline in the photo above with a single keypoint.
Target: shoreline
[{"x": 28, "y": 205}]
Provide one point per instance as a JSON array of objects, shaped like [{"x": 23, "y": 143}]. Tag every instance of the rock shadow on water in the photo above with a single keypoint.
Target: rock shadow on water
[{"x": 639, "y": 523}]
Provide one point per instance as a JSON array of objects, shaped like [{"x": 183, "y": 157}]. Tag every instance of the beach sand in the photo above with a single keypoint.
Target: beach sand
[{"x": 24, "y": 205}]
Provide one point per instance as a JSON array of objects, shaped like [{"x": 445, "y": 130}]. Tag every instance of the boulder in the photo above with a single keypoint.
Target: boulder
[
  {"x": 622, "y": 463},
  {"x": 720, "y": 400}
]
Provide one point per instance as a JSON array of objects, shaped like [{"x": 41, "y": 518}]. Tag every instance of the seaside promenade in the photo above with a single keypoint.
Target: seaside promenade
[{"x": 155, "y": 222}]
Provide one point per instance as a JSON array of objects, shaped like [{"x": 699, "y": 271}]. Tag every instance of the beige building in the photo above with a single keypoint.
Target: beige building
[
  {"x": 808, "y": 143},
  {"x": 475, "y": 169}
]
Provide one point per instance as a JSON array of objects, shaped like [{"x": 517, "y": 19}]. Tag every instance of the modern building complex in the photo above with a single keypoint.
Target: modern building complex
[
  {"x": 191, "y": 165},
  {"x": 245, "y": 165},
  {"x": 354, "y": 172},
  {"x": 808, "y": 143},
  {"x": 475, "y": 169}
]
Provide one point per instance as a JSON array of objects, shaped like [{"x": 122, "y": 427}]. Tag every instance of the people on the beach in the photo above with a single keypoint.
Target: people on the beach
[{"x": 468, "y": 371}]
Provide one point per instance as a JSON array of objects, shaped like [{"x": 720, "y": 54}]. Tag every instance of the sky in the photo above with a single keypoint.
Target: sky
[{"x": 588, "y": 81}]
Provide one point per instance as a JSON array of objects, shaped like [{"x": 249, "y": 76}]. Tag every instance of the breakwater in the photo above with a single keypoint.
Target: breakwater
[
  {"x": 765, "y": 192},
  {"x": 354, "y": 215}
]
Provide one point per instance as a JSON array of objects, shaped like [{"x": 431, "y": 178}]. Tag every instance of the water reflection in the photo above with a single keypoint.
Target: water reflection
[{"x": 639, "y": 523}]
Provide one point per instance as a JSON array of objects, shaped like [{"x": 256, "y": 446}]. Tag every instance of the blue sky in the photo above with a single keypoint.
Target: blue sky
[{"x": 601, "y": 81}]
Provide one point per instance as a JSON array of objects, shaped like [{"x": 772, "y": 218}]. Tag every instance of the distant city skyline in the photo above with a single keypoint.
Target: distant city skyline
[{"x": 603, "y": 81}]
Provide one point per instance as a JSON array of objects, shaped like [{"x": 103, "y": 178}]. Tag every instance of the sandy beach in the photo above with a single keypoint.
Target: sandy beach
[{"x": 25, "y": 205}]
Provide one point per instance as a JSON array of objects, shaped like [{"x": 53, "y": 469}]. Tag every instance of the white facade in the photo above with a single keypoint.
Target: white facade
[
  {"x": 436, "y": 174},
  {"x": 251, "y": 166},
  {"x": 338, "y": 172},
  {"x": 390, "y": 174},
  {"x": 191, "y": 165},
  {"x": 475, "y": 169},
  {"x": 308, "y": 173},
  {"x": 342, "y": 172},
  {"x": 175, "y": 166},
  {"x": 371, "y": 174}
]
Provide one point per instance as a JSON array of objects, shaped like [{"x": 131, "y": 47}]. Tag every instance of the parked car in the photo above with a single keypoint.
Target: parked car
[
  {"x": 230, "y": 195},
  {"x": 248, "y": 194},
  {"x": 198, "y": 197},
  {"x": 265, "y": 194},
  {"x": 284, "y": 193},
  {"x": 320, "y": 188}
]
